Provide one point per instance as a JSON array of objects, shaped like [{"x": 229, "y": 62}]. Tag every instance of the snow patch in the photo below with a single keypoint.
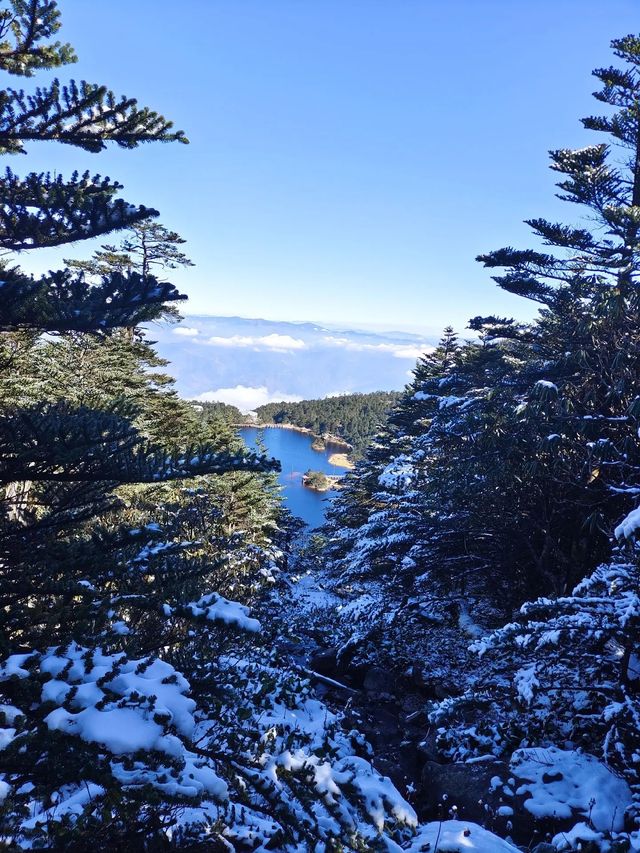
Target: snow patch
[
  {"x": 458, "y": 836},
  {"x": 563, "y": 782}
]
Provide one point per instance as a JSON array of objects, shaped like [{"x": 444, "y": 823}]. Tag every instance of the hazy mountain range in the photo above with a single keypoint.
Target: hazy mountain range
[{"x": 248, "y": 362}]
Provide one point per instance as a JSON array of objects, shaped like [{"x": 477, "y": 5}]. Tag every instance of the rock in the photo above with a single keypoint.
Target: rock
[
  {"x": 412, "y": 703},
  {"x": 324, "y": 662},
  {"x": 427, "y": 748},
  {"x": 378, "y": 680},
  {"x": 439, "y": 689},
  {"x": 381, "y": 726},
  {"x": 478, "y": 793},
  {"x": 417, "y": 676},
  {"x": 410, "y": 759},
  {"x": 355, "y": 671},
  {"x": 394, "y": 771},
  {"x": 544, "y": 847}
]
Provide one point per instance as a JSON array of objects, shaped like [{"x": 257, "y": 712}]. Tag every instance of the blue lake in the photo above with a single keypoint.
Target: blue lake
[{"x": 293, "y": 450}]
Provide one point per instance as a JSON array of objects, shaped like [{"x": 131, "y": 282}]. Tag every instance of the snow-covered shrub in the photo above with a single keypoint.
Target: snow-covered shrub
[
  {"x": 242, "y": 754},
  {"x": 566, "y": 674}
]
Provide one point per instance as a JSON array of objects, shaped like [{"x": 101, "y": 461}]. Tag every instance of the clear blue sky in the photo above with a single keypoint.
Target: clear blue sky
[{"x": 348, "y": 158}]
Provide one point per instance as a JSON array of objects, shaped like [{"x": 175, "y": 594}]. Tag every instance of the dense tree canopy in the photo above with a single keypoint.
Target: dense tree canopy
[
  {"x": 501, "y": 476},
  {"x": 354, "y": 418}
]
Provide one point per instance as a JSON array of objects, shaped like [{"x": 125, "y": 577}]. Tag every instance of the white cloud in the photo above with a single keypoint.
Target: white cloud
[
  {"x": 282, "y": 342},
  {"x": 233, "y": 341},
  {"x": 412, "y": 351},
  {"x": 185, "y": 331},
  {"x": 277, "y": 343},
  {"x": 245, "y": 397}
]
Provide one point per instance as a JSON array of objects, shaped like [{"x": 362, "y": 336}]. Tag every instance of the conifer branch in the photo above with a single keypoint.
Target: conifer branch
[
  {"x": 39, "y": 211},
  {"x": 23, "y": 27},
  {"x": 63, "y": 301},
  {"x": 84, "y": 115}
]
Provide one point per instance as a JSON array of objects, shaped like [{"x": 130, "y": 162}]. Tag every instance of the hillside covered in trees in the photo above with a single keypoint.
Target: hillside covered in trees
[
  {"x": 213, "y": 412},
  {"x": 452, "y": 664},
  {"x": 355, "y": 418}
]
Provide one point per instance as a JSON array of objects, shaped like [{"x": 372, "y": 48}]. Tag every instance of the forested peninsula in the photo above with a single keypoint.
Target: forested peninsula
[
  {"x": 350, "y": 418},
  {"x": 346, "y": 423}
]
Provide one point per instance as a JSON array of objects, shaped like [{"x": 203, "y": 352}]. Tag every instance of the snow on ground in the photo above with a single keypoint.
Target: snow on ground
[
  {"x": 563, "y": 782},
  {"x": 458, "y": 836},
  {"x": 307, "y": 592},
  {"x": 575, "y": 839}
]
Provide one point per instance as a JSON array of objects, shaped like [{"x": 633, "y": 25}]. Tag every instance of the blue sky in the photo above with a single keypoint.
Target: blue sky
[{"x": 348, "y": 158}]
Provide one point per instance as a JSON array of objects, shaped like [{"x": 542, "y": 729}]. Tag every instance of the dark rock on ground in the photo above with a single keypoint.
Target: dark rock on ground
[
  {"x": 412, "y": 704},
  {"x": 355, "y": 673},
  {"x": 437, "y": 688},
  {"x": 468, "y": 792},
  {"x": 395, "y": 771},
  {"x": 410, "y": 759},
  {"x": 378, "y": 680},
  {"x": 325, "y": 662},
  {"x": 427, "y": 749},
  {"x": 381, "y": 725}
]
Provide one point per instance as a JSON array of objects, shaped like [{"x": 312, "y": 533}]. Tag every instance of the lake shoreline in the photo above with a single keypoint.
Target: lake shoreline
[
  {"x": 341, "y": 460},
  {"x": 320, "y": 442}
]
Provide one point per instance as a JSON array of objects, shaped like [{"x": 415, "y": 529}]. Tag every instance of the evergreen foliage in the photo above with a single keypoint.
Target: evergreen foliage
[
  {"x": 149, "y": 246},
  {"x": 41, "y": 210},
  {"x": 143, "y": 707},
  {"x": 354, "y": 418},
  {"x": 215, "y": 411},
  {"x": 498, "y": 483},
  {"x": 25, "y": 32},
  {"x": 518, "y": 451},
  {"x": 564, "y": 672},
  {"x": 149, "y": 695}
]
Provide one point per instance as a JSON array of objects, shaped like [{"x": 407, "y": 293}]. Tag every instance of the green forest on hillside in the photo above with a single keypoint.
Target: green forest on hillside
[
  {"x": 355, "y": 418},
  {"x": 215, "y": 412}
]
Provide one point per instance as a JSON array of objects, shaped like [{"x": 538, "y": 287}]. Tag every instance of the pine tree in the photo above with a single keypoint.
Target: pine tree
[
  {"x": 583, "y": 383},
  {"x": 530, "y": 456},
  {"x": 563, "y": 672},
  {"x": 149, "y": 246},
  {"x": 109, "y": 586},
  {"x": 39, "y": 210}
]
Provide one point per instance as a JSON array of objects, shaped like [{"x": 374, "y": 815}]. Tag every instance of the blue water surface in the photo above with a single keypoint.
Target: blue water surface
[{"x": 293, "y": 450}]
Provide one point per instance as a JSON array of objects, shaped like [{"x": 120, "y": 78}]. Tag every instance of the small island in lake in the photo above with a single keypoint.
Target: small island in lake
[{"x": 320, "y": 482}]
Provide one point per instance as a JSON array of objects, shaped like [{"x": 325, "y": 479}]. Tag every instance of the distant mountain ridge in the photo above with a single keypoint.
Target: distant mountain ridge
[{"x": 249, "y": 362}]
